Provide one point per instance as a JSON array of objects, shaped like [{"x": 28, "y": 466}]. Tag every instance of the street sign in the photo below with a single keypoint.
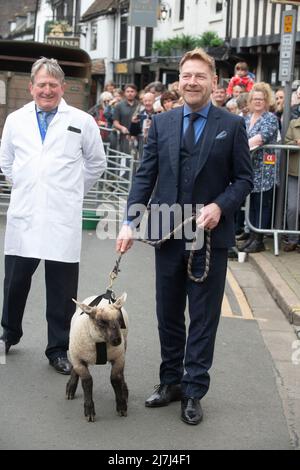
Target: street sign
[
  {"x": 287, "y": 2},
  {"x": 287, "y": 45},
  {"x": 143, "y": 13},
  {"x": 66, "y": 41}
]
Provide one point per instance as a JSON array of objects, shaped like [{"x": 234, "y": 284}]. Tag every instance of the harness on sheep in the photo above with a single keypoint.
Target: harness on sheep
[{"x": 109, "y": 295}]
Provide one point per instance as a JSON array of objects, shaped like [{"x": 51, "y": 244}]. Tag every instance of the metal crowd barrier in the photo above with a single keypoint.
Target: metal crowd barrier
[
  {"x": 278, "y": 226},
  {"x": 5, "y": 188},
  {"x": 135, "y": 144},
  {"x": 108, "y": 196}
]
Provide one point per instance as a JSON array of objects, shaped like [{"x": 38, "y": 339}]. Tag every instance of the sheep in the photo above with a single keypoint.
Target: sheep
[{"x": 100, "y": 324}]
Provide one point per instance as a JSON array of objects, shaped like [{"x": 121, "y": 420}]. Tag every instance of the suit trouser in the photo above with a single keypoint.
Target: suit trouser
[
  {"x": 61, "y": 286},
  {"x": 186, "y": 360}
]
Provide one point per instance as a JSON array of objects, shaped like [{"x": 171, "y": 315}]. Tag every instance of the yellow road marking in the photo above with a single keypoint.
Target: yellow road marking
[
  {"x": 240, "y": 297},
  {"x": 226, "y": 309}
]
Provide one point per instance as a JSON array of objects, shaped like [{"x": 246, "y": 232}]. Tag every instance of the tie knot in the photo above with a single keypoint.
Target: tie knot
[{"x": 193, "y": 117}]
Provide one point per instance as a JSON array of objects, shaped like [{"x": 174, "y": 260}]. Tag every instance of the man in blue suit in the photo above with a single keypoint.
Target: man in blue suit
[{"x": 197, "y": 154}]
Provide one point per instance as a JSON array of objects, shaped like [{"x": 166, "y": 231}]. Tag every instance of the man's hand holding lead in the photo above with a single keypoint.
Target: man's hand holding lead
[
  {"x": 125, "y": 239},
  {"x": 209, "y": 216}
]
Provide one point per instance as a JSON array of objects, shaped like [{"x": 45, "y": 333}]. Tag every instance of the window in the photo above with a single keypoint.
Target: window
[
  {"x": 137, "y": 41},
  {"x": 216, "y": 10},
  {"x": 60, "y": 12},
  {"x": 219, "y": 6},
  {"x": 64, "y": 11},
  {"x": 94, "y": 35},
  {"x": 181, "y": 10},
  {"x": 123, "y": 37},
  {"x": 149, "y": 41}
]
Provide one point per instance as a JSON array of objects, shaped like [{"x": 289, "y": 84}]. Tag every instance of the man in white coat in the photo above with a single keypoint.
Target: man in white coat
[{"x": 53, "y": 154}]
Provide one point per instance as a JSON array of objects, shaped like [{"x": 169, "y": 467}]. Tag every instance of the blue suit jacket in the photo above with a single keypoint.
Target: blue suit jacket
[{"x": 223, "y": 174}]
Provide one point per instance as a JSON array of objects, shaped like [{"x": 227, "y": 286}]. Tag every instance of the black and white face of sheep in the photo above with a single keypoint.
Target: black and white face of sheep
[{"x": 107, "y": 320}]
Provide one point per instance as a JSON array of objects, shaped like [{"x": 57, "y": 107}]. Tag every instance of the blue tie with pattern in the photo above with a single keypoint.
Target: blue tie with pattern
[{"x": 43, "y": 120}]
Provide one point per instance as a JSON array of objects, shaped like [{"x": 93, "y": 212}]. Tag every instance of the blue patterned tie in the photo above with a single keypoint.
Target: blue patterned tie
[{"x": 43, "y": 120}]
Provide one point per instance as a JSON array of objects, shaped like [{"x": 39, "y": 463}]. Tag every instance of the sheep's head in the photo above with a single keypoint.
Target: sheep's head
[{"x": 107, "y": 319}]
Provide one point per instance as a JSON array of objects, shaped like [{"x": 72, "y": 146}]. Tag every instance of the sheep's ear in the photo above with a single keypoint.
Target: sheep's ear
[
  {"x": 121, "y": 300},
  {"x": 86, "y": 308}
]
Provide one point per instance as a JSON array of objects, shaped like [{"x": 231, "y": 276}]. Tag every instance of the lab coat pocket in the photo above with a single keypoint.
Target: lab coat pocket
[{"x": 21, "y": 201}]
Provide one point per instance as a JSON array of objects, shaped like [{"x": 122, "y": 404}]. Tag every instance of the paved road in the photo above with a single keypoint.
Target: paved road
[{"x": 243, "y": 409}]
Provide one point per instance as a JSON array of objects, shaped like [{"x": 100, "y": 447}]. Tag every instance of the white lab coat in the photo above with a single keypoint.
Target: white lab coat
[{"x": 49, "y": 181}]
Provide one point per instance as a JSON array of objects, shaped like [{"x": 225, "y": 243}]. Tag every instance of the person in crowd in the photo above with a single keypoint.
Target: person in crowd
[
  {"x": 141, "y": 121},
  {"x": 241, "y": 77},
  {"x": 241, "y": 229},
  {"x": 262, "y": 128},
  {"x": 123, "y": 113},
  {"x": 168, "y": 99},
  {"x": 110, "y": 86},
  {"x": 232, "y": 106},
  {"x": 295, "y": 104},
  {"x": 242, "y": 102},
  {"x": 53, "y": 154},
  {"x": 293, "y": 204},
  {"x": 295, "y": 98},
  {"x": 237, "y": 90},
  {"x": 157, "y": 88},
  {"x": 196, "y": 154},
  {"x": 109, "y": 107},
  {"x": 102, "y": 114},
  {"x": 106, "y": 98},
  {"x": 219, "y": 96},
  {"x": 141, "y": 95},
  {"x": 279, "y": 106},
  {"x": 118, "y": 96},
  {"x": 174, "y": 86}
]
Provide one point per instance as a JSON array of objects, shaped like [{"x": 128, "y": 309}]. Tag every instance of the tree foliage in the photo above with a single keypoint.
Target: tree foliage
[{"x": 184, "y": 42}]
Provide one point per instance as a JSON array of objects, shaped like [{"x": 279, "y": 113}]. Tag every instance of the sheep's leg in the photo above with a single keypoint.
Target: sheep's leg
[
  {"x": 89, "y": 408},
  {"x": 72, "y": 385},
  {"x": 120, "y": 387}
]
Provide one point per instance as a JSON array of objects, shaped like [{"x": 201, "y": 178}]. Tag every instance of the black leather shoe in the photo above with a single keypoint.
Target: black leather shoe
[
  {"x": 163, "y": 395},
  {"x": 243, "y": 237},
  {"x": 255, "y": 247},
  {"x": 191, "y": 410},
  {"x": 61, "y": 364},
  {"x": 7, "y": 342}
]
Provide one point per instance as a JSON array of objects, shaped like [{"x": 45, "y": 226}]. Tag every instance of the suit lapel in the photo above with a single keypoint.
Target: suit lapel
[
  {"x": 175, "y": 129},
  {"x": 209, "y": 134}
]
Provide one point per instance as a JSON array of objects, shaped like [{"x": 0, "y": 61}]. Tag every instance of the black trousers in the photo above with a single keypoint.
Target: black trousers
[
  {"x": 61, "y": 286},
  {"x": 186, "y": 358}
]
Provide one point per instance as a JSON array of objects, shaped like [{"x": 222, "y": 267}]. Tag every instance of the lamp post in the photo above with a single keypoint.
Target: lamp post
[{"x": 165, "y": 11}]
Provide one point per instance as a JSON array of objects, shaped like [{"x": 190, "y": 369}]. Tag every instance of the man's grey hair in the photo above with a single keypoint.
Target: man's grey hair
[{"x": 51, "y": 66}]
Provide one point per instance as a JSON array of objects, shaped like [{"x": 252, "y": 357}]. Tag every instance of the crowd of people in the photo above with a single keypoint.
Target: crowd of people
[{"x": 128, "y": 114}]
